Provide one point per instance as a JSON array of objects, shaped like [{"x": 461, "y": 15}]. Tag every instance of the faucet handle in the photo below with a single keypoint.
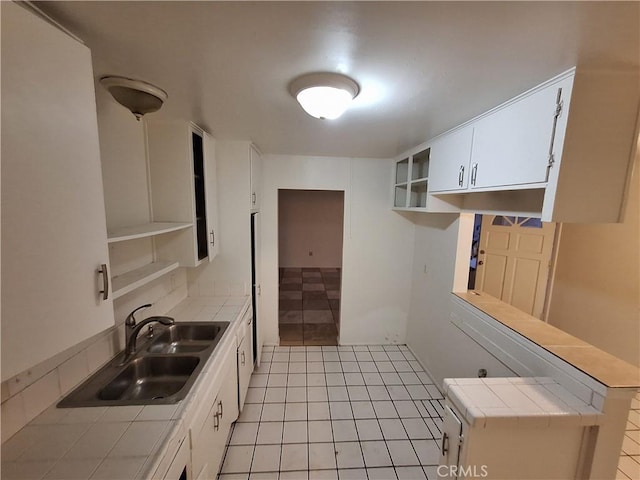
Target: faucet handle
[{"x": 130, "y": 321}]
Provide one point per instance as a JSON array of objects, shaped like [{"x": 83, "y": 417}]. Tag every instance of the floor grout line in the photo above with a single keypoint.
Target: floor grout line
[{"x": 339, "y": 359}]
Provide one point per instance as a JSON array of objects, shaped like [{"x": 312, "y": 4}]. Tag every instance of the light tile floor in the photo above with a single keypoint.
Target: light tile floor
[
  {"x": 351, "y": 413},
  {"x": 329, "y": 412},
  {"x": 629, "y": 465}
]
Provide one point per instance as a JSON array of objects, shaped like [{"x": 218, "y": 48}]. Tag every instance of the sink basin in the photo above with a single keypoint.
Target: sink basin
[
  {"x": 187, "y": 337},
  {"x": 161, "y": 372},
  {"x": 150, "y": 378}
]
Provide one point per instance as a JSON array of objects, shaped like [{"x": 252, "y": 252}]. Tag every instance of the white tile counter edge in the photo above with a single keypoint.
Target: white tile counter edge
[{"x": 534, "y": 401}]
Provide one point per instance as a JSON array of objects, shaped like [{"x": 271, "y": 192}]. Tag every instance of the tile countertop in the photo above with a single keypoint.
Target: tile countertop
[
  {"x": 537, "y": 402},
  {"x": 130, "y": 442},
  {"x": 598, "y": 364}
]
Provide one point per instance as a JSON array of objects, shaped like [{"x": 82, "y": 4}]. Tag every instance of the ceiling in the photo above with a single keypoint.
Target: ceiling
[{"x": 423, "y": 67}]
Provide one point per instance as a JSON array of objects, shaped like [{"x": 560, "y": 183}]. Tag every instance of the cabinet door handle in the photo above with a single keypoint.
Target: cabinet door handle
[
  {"x": 444, "y": 445},
  {"x": 253, "y": 198},
  {"x": 243, "y": 358},
  {"x": 216, "y": 422},
  {"x": 213, "y": 238},
  {"x": 105, "y": 281},
  {"x": 220, "y": 411},
  {"x": 461, "y": 176},
  {"x": 474, "y": 173}
]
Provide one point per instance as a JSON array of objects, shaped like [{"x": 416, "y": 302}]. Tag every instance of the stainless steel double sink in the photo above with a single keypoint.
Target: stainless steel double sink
[{"x": 161, "y": 372}]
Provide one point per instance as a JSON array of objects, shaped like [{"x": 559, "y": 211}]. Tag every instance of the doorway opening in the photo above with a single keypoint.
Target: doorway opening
[
  {"x": 511, "y": 260},
  {"x": 310, "y": 231}
]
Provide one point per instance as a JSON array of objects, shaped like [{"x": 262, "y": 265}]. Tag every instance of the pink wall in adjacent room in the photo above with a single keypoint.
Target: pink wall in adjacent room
[{"x": 310, "y": 221}]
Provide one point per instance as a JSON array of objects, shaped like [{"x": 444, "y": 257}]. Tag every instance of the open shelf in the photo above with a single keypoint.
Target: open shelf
[
  {"x": 145, "y": 230},
  {"x": 412, "y": 181},
  {"x": 127, "y": 282}
]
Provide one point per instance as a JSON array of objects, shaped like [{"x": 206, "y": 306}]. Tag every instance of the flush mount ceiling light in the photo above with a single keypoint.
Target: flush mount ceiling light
[
  {"x": 324, "y": 95},
  {"x": 138, "y": 96}
]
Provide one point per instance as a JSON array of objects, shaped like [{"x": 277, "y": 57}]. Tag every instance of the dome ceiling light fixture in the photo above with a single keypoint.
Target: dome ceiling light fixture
[
  {"x": 324, "y": 95},
  {"x": 138, "y": 96}
]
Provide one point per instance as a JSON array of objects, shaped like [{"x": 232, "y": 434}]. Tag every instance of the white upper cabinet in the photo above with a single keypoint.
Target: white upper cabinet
[
  {"x": 512, "y": 147},
  {"x": 54, "y": 237},
  {"x": 183, "y": 189},
  {"x": 211, "y": 179},
  {"x": 450, "y": 160},
  {"x": 256, "y": 178},
  {"x": 542, "y": 154}
]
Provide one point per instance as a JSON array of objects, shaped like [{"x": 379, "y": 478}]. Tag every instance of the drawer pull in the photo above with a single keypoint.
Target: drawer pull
[
  {"x": 105, "y": 281},
  {"x": 444, "y": 446}
]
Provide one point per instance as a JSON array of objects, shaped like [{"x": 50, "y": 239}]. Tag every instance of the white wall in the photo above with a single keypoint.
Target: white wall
[
  {"x": 310, "y": 221},
  {"x": 596, "y": 290},
  {"x": 123, "y": 159},
  {"x": 440, "y": 346},
  {"x": 377, "y": 244}
]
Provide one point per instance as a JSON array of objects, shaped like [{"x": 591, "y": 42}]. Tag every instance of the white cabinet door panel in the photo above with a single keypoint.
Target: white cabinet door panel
[
  {"x": 211, "y": 177},
  {"x": 449, "y": 161},
  {"x": 255, "y": 168},
  {"x": 511, "y": 145},
  {"x": 245, "y": 360},
  {"x": 54, "y": 235},
  {"x": 449, "y": 444}
]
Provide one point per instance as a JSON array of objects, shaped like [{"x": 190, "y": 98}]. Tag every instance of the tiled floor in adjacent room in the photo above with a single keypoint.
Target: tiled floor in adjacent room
[
  {"x": 629, "y": 466},
  {"x": 309, "y": 306},
  {"x": 337, "y": 413}
]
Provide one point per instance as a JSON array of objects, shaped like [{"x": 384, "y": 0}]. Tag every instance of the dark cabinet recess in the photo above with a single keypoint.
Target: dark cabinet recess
[{"x": 199, "y": 191}]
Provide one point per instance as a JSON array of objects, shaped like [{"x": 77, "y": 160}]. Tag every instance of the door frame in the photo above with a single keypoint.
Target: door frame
[{"x": 344, "y": 235}]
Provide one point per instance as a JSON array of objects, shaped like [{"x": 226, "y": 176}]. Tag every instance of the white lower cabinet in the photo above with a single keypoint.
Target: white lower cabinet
[
  {"x": 180, "y": 468},
  {"x": 511, "y": 428},
  {"x": 209, "y": 432},
  {"x": 452, "y": 437},
  {"x": 245, "y": 357}
]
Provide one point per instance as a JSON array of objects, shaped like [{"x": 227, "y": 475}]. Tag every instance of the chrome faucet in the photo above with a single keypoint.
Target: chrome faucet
[{"x": 133, "y": 329}]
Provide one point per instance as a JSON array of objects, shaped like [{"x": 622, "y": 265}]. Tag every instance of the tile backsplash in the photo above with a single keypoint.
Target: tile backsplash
[{"x": 29, "y": 393}]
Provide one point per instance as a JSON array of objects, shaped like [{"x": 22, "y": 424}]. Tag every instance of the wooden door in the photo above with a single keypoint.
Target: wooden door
[{"x": 514, "y": 260}]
